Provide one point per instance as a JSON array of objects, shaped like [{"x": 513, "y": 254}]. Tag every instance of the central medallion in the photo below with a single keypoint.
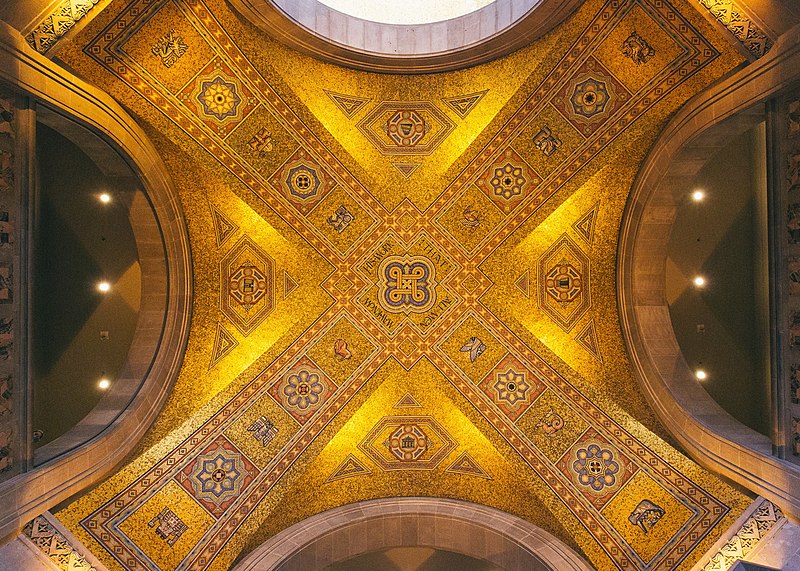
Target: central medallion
[{"x": 409, "y": 282}]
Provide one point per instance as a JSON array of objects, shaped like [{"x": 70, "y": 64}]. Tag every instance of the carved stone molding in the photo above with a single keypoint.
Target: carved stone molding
[
  {"x": 484, "y": 533},
  {"x": 155, "y": 361},
  {"x": 484, "y": 35}
]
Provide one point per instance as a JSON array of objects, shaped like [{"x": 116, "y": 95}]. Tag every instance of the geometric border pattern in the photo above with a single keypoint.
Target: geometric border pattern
[
  {"x": 218, "y": 475},
  {"x": 422, "y": 425},
  {"x": 766, "y": 516},
  {"x": 706, "y": 511}
]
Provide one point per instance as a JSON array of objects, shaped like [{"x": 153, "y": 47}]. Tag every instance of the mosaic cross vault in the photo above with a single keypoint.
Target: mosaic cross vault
[{"x": 404, "y": 286}]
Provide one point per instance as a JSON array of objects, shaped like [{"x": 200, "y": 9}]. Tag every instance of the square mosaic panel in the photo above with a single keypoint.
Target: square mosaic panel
[
  {"x": 596, "y": 467},
  {"x": 217, "y": 476},
  {"x": 303, "y": 390},
  {"x": 552, "y": 425},
  {"x": 512, "y": 386}
]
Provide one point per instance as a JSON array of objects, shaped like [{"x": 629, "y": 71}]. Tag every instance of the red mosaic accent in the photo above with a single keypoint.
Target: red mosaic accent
[
  {"x": 512, "y": 386},
  {"x": 218, "y": 75},
  {"x": 217, "y": 476},
  {"x": 590, "y": 97},
  {"x": 508, "y": 181},
  {"x": 302, "y": 181},
  {"x": 589, "y": 464}
]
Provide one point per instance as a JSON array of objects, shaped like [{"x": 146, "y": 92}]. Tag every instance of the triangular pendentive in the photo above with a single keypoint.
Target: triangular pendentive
[
  {"x": 407, "y": 402},
  {"x": 350, "y": 105},
  {"x": 463, "y": 104},
  {"x": 466, "y": 464},
  {"x": 223, "y": 227},
  {"x": 523, "y": 284},
  {"x": 224, "y": 343},
  {"x": 588, "y": 340},
  {"x": 351, "y": 467},
  {"x": 289, "y": 285},
  {"x": 585, "y": 225},
  {"x": 406, "y": 169}
]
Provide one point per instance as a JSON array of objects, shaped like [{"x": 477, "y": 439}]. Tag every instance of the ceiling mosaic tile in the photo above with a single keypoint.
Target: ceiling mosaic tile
[{"x": 417, "y": 270}]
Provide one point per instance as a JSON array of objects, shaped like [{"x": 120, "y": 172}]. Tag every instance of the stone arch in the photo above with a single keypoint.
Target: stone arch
[
  {"x": 477, "y": 531},
  {"x": 92, "y": 449},
  {"x": 709, "y": 434},
  {"x": 493, "y": 31}
]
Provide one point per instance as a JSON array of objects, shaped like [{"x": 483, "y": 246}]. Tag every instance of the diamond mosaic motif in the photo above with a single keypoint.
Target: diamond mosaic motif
[
  {"x": 591, "y": 97},
  {"x": 217, "y": 476},
  {"x": 564, "y": 282},
  {"x": 508, "y": 181},
  {"x": 248, "y": 285},
  {"x": 303, "y": 390},
  {"x": 406, "y": 127},
  {"x": 302, "y": 181},
  {"x": 598, "y": 468},
  {"x": 512, "y": 386},
  {"x": 218, "y": 97},
  {"x": 408, "y": 443}
]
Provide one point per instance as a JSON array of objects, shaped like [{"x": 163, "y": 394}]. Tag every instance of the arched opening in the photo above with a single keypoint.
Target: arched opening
[
  {"x": 395, "y": 38},
  {"x": 100, "y": 144},
  {"x": 668, "y": 369},
  {"x": 484, "y": 537}
]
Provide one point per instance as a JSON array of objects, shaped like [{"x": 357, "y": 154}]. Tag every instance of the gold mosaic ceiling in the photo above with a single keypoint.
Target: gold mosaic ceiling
[{"x": 403, "y": 286}]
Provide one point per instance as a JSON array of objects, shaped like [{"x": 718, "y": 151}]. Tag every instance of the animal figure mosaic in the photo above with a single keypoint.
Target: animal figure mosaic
[
  {"x": 646, "y": 515},
  {"x": 637, "y": 48},
  {"x": 169, "y": 48},
  {"x": 475, "y": 347},
  {"x": 478, "y": 285}
]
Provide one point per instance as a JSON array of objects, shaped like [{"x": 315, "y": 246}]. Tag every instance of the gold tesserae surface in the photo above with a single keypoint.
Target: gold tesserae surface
[{"x": 403, "y": 286}]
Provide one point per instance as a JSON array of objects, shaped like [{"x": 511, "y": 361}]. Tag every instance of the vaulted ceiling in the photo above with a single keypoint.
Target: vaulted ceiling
[{"x": 404, "y": 285}]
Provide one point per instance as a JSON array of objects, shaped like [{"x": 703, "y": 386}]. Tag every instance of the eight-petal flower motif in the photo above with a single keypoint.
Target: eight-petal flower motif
[
  {"x": 590, "y": 97},
  {"x": 218, "y": 476},
  {"x": 303, "y": 389},
  {"x": 596, "y": 467},
  {"x": 511, "y": 386}
]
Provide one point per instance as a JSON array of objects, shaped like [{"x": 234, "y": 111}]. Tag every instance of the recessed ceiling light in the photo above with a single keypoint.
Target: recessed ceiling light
[
  {"x": 698, "y": 195},
  {"x": 105, "y": 198},
  {"x": 104, "y": 287},
  {"x": 699, "y": 281},
  {"x": 700, "y": 374},
  {"x": 103, "y": 384}
]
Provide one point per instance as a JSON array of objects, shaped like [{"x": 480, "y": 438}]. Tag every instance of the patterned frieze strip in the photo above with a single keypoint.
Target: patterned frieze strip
[
  {"x": 698, "y": 53},
  {"x": 59, "y": 545},
  {"x": 107, "y": 49},
  {"x": 786, "y": 123},
  {"x": 61, "y": 21},
  {"x": 730, "y": 15},
  {"x": 743, "y": 537},
  {"x": 10, "y": 179},
  {"x": 707, "y": 510},
  {"x": 103, "y": 523}
]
